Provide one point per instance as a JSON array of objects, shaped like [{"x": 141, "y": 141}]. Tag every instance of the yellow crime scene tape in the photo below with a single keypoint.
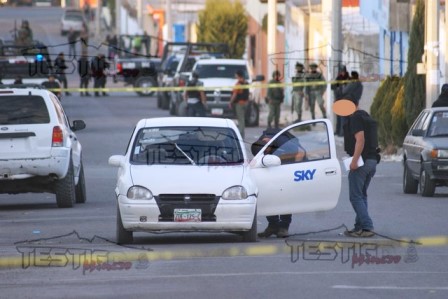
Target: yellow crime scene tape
[
  {"x": 291, "y": 246},
  {"x": 208, "y": 88}
]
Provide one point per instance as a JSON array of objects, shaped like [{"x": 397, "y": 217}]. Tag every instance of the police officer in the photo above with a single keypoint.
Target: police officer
[
  {"x": 98, "y": 66},
  {"x": 315, "y": 92},
  {"x": 60, "y": 66},
  {"x": 297, "y": 91},
  {"x": 196, "y": 100},
  {"x": 84, "y": 73},
  {"x": 239, "y": 101},
  {"x": 275, "y": 98}
]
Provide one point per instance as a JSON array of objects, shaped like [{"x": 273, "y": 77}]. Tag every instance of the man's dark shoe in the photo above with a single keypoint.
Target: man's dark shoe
[
  {"x": 282, "y": 233},
  {"x": 269, "y": 231},
  {"x": 362, "y": 233}
]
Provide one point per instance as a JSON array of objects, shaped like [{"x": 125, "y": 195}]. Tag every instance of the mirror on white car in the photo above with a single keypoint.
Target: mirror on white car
[
  {"x": 270, "y": 161},
  {"x": 117, "y": 160}
]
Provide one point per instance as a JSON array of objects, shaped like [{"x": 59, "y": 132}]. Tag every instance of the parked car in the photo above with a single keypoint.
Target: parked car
[
  {"x": 39, "y": 149},
  {"x": 193, "y": 174},
  {"x": 425, "y": 153},
  {"x": 72, "y": 19}
]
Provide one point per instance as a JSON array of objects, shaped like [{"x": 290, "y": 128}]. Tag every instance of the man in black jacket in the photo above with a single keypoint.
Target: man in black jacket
[
  {"x": 84, "y": 73},
  {"x": 60, "y": 66},
  {"x": 442, "y": 100},
  {"x": 99, "y": 65}
]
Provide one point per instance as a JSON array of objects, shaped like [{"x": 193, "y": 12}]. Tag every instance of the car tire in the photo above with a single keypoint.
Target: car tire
[
  {"x": 123, "y": 236},
  {"x": 251, "y": 235},
  {"x": 65, "y": 189},
  {"x": 427, "y": 186},
  {"x": 252, "y": 114},
  {"x": 410, "y": 185},
  {"x": 142, "y": 82},
  {"x": 80, "y": 190}
]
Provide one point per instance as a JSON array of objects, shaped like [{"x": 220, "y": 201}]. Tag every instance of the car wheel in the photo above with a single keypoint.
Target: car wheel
[
  {"x": 65, "y": 189},
  {"x": 80, "y": 190},
  {"x": 251, "y": 235},
  {"x": 123, "y": 236},
  {"x": 145, "y": 82},
  {"x": 410, "y": 185},
  {"x": 427, "y": 186},
  {"x": 252, "y": 114}
]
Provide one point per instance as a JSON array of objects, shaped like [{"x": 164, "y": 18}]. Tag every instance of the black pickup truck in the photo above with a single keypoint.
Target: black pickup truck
[
  {"x": 134, "y": 64},
  {"x": 31, "y": 63}
]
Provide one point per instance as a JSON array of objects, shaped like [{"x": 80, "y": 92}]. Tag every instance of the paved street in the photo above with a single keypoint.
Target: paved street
[{"x": 42, "y": 248}]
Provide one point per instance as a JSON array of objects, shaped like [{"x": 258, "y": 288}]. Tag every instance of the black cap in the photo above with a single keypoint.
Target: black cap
[
  {"x": 195, "y": 75},
  {"x": 239, "y": 73},
  {"x": 298, "y": 64},
  {"x": 313, "y": 64}
]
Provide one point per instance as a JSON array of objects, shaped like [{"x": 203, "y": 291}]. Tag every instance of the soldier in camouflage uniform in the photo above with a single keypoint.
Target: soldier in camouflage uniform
[
  {"x": 298, "y": 91},
  {"x": 315, "y": 92}
]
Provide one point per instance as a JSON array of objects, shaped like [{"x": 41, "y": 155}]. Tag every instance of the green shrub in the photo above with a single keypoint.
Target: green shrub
[{"x": 399, "y": 124}]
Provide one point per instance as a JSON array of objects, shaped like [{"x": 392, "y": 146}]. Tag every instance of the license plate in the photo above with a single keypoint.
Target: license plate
[
  {"x": 187, "y": 215},
  {"x": 217, "y": 111}
]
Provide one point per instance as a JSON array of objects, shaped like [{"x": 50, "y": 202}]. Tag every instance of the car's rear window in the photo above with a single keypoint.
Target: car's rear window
[
  {"x": 187, "y": 146},
  {"x": 23, "y": 110}
]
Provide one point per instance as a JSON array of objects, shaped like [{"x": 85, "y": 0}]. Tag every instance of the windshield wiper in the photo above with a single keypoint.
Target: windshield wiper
[{"x": 180, "y": 150}]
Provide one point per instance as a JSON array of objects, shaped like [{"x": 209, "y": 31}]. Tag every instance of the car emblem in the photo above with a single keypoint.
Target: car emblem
[
  {"x": 187, "y": 197},
  {"x": 217, "y": 95},
  {"x": 4, "y": 129}
]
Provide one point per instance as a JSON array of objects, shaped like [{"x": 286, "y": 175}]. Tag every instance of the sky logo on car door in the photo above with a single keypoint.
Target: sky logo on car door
[{"x": 304, "y": 175}]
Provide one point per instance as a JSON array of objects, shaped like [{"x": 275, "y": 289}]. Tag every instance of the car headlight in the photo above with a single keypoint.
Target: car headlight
[
  {"x": 139, "y": 193},
  {"x": 235, "y": 193},
  {"x": 439, "y": 154}
]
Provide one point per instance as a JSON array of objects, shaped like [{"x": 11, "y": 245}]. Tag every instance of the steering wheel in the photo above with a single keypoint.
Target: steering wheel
[{"x": 211, "y": 159}]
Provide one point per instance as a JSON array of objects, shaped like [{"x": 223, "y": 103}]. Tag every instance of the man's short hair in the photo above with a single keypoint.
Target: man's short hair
[{"x": 239, "y": 73}]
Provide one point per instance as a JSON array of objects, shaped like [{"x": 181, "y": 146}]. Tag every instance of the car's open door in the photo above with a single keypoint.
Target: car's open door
[{"x": 297, "y": 170}]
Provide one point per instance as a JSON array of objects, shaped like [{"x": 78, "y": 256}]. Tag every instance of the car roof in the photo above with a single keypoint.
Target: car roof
[
  {"x": 222, "y": 61},
  {"x": 23, "y": 91},
  {"x": 184, "y": 121}
]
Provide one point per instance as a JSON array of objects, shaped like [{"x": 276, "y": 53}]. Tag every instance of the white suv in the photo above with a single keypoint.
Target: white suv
[
  {"x": 39, "y": 151},
  {"x": 219, "y": 74}
]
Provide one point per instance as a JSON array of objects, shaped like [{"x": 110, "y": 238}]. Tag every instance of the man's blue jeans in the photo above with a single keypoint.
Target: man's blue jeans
[{"x": 358, "y": 181}]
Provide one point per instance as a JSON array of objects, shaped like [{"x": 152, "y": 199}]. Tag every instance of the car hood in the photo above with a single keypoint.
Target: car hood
[
  {"x": 186, "y": 178},
  {"x": 438, "y": 142}
]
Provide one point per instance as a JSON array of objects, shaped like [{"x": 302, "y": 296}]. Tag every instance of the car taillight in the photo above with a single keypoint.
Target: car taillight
[
  {"x": 58, "y": 137},
  {"x": 181, "y": 82},
  {"x": 119, "y": 67}
]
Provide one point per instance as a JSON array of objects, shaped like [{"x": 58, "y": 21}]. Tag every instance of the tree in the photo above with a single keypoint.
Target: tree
[
  {"x": 224, "y": 21},
  {"x": 414, "y": 85}
]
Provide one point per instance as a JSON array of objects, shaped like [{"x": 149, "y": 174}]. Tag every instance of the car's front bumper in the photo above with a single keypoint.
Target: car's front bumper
[
  {"x": 147, "y": 216},
  {"x": 437, "y": 169}
]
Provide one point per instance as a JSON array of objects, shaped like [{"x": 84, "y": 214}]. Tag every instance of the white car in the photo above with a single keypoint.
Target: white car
[
  {"x": 39, "y": 151},
  {"x": 193, "y": 174},
  {"x": 72, "y": 19}
]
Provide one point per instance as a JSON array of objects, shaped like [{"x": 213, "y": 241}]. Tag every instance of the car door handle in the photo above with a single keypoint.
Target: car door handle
[{"x": 330, "y": 171}]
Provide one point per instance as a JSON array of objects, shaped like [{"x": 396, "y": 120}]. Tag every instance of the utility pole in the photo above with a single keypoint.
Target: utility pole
[
  {"x": 117, "y": 17},
  {"x": 140, "y": 13},
  {"x": 432, "y": 51},
  {"x": 98, "y": 18},
  {"x": 336, "y": 51},
  {"x": 272, "y": 34},
  {"x": 168, "y": 21},
  {"x": 446, "y": 41}
]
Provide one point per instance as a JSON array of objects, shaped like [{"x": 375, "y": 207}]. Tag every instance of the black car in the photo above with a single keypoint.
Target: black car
[{"x": 425, "y": 153}]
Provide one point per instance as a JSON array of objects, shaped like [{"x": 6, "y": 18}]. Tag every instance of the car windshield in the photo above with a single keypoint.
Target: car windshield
[
  {"x": 21, "y": 110},
  {"x": 439, "y": 125},
  {"x": 74, "y": 17},
  {"x": 186, "y": 146},
  {"x": 219, "y": 71}
]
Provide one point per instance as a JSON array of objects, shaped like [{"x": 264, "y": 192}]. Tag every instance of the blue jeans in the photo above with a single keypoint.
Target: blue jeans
[{"x": 358, "y": 181}]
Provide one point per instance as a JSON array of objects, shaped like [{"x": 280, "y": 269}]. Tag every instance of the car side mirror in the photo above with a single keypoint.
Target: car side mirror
[
  {"x": 258, "y": 78},
  {"x": 418, "y": 132},
  {"x": 78, "y": 125},
  {"x": 270, "y": 161},
  {"x": 117, "y": 160}
]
